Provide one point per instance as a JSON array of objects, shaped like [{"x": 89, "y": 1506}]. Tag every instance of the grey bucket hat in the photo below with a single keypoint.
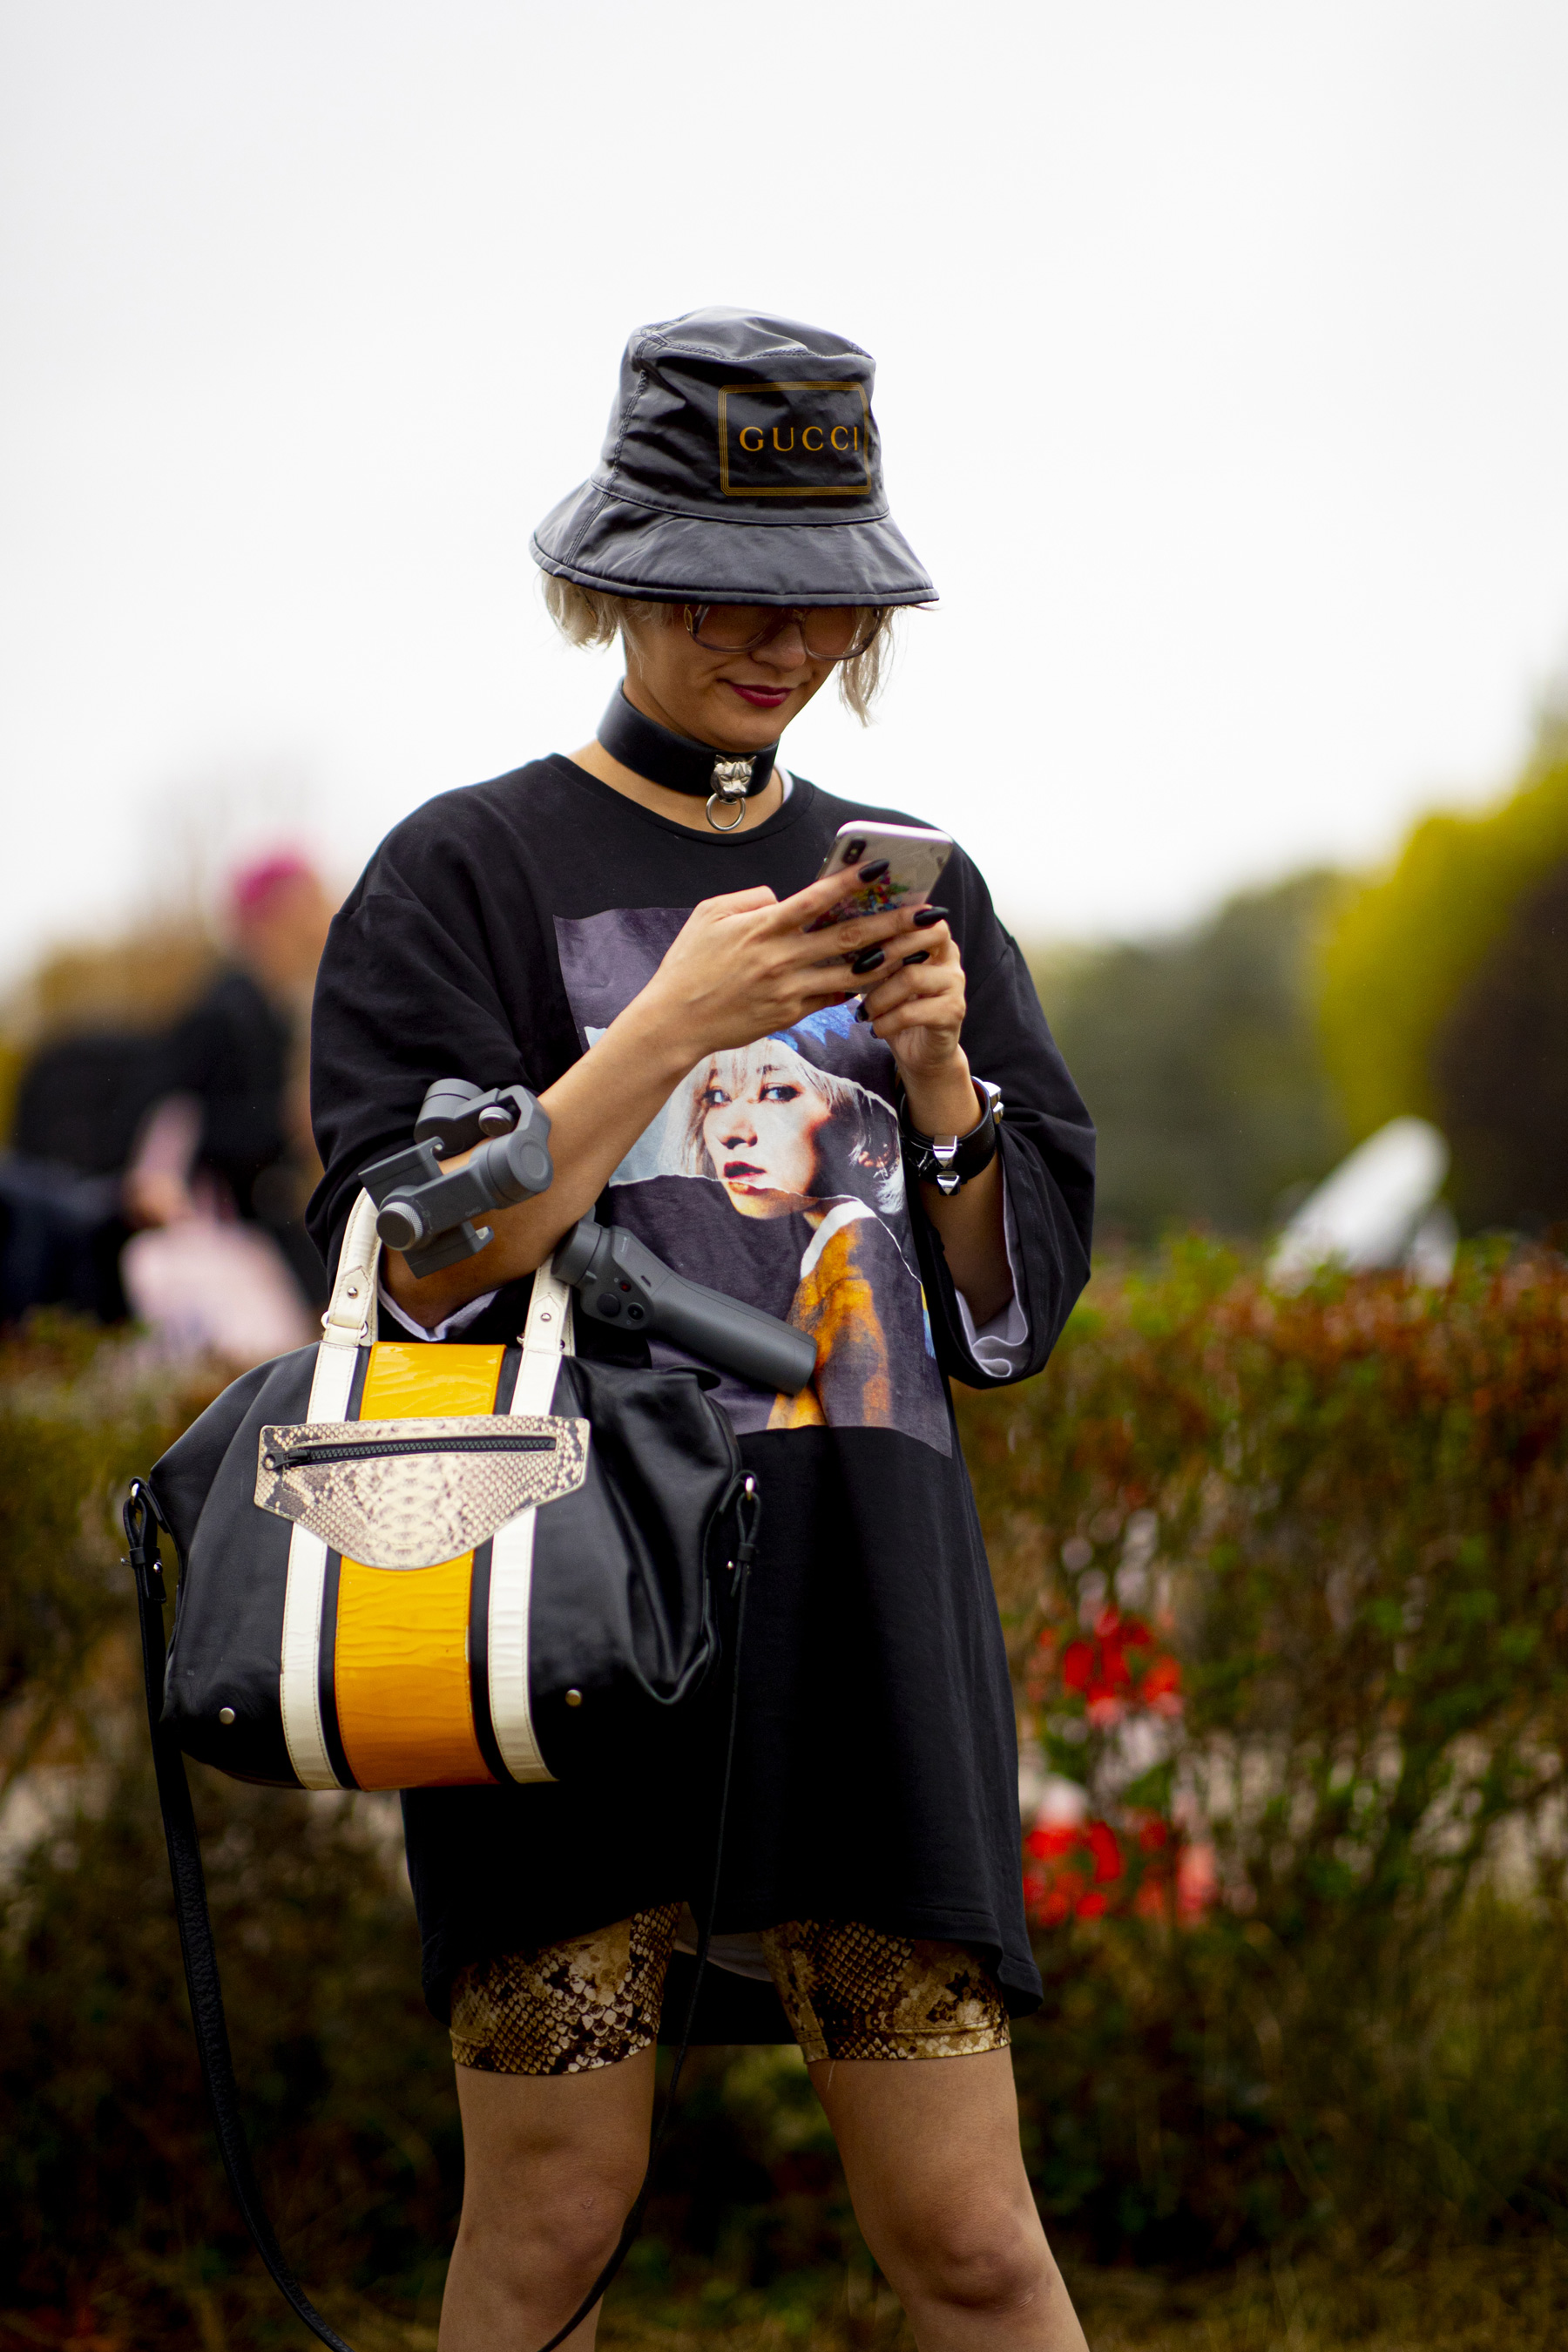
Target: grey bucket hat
[{"x": 742, "y": 466}]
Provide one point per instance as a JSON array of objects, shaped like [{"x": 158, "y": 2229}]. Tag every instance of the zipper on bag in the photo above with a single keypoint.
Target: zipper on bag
[{"x": 374, "y": 1449}]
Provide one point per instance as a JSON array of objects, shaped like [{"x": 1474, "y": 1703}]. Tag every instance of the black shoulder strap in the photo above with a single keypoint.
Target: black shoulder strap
[{"x": 142, "y": 1520}]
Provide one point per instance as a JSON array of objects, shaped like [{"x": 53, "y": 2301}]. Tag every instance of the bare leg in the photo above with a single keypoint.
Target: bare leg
[
  {"x": 931, "y": 2150},
  {"x": 551, "y": 2165}
]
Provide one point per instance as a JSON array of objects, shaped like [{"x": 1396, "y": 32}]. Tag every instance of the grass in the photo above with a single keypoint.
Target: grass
[
  {"x": 1469, "y": 2300},
  {"x": 1466, "y": 2300}
]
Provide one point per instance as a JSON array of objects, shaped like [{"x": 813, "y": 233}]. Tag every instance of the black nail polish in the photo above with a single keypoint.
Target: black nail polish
[
  {"x": 874, "y": 872},
  {"x": 926, "y": 916},
  {"x": 921, "y": 955},
  {"x": 866, "y": 960}
]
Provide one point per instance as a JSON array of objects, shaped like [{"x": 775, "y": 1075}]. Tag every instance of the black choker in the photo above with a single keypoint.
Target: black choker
[{"x": 679, "y": 764}]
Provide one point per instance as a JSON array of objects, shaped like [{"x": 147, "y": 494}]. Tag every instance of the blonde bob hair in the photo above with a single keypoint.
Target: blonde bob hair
[{"x": 586, "y": 617}]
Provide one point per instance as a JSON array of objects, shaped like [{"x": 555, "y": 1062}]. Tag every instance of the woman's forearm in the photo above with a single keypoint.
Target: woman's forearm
[
  {"x": 597, "y": 1110},
  {"x": 974, "y": 1240},
  {"x": 972, "y": 1220}
]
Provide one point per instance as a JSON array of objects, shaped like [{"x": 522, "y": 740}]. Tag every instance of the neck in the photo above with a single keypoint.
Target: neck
[{"x": 721, "y": 789}]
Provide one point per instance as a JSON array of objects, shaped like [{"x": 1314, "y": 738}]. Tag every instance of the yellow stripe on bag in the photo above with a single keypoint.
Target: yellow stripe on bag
[{"x": 401, "y": 1663}]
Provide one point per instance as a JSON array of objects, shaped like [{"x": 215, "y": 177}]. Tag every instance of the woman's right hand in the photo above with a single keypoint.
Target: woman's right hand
[{"x": 744, "y": 965}]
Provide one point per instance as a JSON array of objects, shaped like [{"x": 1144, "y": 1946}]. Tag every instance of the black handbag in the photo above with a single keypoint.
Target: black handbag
[{"x": 410, "y": 1566}]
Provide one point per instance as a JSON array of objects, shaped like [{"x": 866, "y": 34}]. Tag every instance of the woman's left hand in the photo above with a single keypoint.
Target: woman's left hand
[
  {"x": 918, "y": 1009},
  {"x": 917, "y": 1005}
]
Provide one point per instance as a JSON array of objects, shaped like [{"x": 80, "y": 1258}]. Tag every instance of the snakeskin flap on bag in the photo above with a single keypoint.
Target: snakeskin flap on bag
[{"x": 411, "y": 1494}]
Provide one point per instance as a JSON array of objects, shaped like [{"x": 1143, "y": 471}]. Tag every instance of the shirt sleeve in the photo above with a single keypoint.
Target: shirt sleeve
[
  {"x": 411, "y": 989},
  {"x": 1000, "y": 1346},
  {"x": 1045, "y": 1142}
]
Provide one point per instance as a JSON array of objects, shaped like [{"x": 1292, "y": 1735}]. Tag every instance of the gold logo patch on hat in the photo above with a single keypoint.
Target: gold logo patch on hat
[{"x": 810, "y": 440}]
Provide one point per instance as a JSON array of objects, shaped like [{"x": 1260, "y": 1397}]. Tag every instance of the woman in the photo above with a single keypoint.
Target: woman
[{"x": 597, "y": 928}]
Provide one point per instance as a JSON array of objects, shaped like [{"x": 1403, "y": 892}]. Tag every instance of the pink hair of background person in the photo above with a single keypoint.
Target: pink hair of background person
[{"x": 254, "y": 885}]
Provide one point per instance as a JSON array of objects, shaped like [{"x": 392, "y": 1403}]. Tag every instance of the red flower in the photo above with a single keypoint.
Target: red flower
[
  {"x": 1124, "y": 1632},
  {"x": 1161, "y": 1688},
  {"x": 1077, "y": 1665},
  {"x": 1080, "y": 1871},
  {"x": 1089, "y": 1870},
  {"x": 1071, "y": 1867},
  {"x": 1051, "y": 1841},
  {"x": 1116, "y": 1668},
  {"x": 1106, "y": 1848}
]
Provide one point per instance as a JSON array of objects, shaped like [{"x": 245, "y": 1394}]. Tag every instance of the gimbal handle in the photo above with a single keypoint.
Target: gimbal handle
[{"x": 619, "y": 1281}]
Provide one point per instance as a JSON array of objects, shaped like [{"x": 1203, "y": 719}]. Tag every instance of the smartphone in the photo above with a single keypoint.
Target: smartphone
[{"x": 915, "y": 857}]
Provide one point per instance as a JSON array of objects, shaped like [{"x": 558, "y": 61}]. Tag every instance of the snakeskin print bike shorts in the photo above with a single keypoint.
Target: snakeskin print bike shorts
[{"x": 848, "y": 1991}]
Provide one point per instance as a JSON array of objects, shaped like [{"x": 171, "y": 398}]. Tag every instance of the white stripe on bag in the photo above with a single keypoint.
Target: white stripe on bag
[
  {"x": 512, "y": 1589},
  {"x": 300, "y": 1680},
  {"x": 548, "y": 1336}
]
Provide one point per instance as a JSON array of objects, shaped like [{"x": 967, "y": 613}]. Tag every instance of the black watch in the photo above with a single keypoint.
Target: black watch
[{"x": 949, "y": 1160}]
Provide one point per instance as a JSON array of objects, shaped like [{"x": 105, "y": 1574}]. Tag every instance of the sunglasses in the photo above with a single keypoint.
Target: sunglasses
[{"x": 831, "y": 633}]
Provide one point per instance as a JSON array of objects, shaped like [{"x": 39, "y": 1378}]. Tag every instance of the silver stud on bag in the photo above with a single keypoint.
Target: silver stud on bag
[
  {"x": 225, "y": 1714},
  {"x": 573, "y": 1698}
]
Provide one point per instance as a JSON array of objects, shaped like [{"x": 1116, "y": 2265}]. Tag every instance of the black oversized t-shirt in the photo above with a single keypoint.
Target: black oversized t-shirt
[{"x": 494, "y": 935}]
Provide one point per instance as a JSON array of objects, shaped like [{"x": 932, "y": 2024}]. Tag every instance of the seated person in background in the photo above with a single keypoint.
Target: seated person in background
[
  {"x": 229, "y": 1133},
  {"x": 119, "y": 1128}
]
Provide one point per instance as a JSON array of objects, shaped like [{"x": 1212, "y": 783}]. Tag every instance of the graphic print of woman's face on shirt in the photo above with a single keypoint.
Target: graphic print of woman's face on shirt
[
  {"x": 759, "y": 1114},
  {"x": 782, "y": 1136}
]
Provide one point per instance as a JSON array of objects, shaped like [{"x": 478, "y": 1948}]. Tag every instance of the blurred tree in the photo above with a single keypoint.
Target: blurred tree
[
  {"x": 1500, "y": 1073},
  {"x": 1199, "y": 1059},
  {"x": 1405, "y": 944}
]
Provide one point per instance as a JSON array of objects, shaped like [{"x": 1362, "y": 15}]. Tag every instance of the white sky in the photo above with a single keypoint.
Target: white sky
[{"x": 1223, "y": 378}]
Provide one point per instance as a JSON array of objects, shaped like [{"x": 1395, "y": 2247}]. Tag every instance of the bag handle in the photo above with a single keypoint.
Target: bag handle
[
  {"x": 142, "y": 1519},
  {"x": 350, "y": 1318},
  {"x": 549, "y": 1330}
]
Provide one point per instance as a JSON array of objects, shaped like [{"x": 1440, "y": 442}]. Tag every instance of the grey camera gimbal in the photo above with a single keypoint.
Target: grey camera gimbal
[{"x": 429, "y": 1213}]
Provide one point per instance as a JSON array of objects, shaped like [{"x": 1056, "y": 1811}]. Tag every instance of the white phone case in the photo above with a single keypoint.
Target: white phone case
[{"x": 915, "y": 857}]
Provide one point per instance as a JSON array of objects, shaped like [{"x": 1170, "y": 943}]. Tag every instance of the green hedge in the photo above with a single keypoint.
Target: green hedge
[
  {"x": 111, "y": 2196},
  {"x": 1345, "y": 1514},
  {"x": 1286, "y": 1582}
]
